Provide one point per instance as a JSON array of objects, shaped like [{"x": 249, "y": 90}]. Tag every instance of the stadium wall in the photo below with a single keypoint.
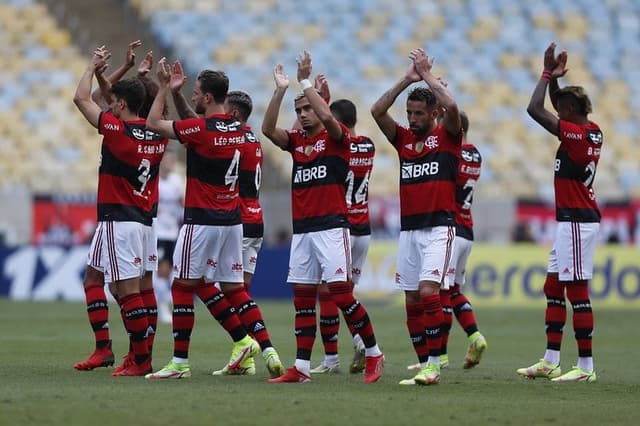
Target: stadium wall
[{"x": 498, "y": 275}]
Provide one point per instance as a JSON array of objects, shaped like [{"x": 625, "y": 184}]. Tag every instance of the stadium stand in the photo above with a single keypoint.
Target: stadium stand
[{"x": 489, "y": 52}]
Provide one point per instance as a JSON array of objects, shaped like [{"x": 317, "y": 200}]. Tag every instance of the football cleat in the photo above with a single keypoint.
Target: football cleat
[
  {"x": 272, "y": 361},
  {"x": 128, "y": 359},
  {"x": 325, "y": 368},
  {"x": 541, "y": 368},
  {"x": 292, "y": 375},
  {"x": 247, "y": 368},
  {"x": 357, "y": 363},
  {"x": 134, "y": 369},
  {"x": 242, "y": 349},
  {"x": 474, "y": 352},
  {"x": 373, "y": 368},
  {"x": 173, "y": 370},
  {"x": 101, "y": 357},
  {"x": 428, "y": 375},
  {"x": 576, "y": 374}
]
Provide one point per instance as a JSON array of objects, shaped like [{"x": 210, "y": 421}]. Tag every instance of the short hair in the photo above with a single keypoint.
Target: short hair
[
  {"x": 578, "y": 96},
  {"x": 302, "y": 95},
  {"x": 423, "y": 94},
  {"x": 242, "y": 101},
  {"x": 151, "y": 88},
  {"x": 132, "y": 91},
  {"x": 464, "y": 122},
  {"x": 216, "y": 83},
  {"x": 344, "y": 111}
]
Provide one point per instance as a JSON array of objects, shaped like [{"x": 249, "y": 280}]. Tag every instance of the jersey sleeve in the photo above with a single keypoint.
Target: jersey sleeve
[
  {"x": 189, "y": 131},
  {"x": 108, "y": 124},
  {"x": 402, "y": 134},
  {"x": 572, "y": 138}
]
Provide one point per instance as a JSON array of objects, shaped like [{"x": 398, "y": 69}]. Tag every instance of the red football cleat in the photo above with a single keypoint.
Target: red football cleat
[
  {"x": 126, "y": 363},
  {"x": 101, "y": 357},
  {"x": 292, "y": 375},
  {"x": 135, "y": 369},
  {"x": 373, "y": 368}
]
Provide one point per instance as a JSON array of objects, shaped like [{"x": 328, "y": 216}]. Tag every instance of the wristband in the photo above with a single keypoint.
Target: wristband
[
  {"x": 305, "y": 84},
  {"x": 546, "y": 75}
]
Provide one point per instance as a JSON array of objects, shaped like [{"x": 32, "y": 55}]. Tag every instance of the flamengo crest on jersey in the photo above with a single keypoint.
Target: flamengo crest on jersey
[
  {"x": 250, "y": 179},
  {"x": 320, "y": 166},
  {"x": 575, "y": 169},
  {"x": 357, "y": 184},
  {"x": 213, "y": 168},
  {"x": 128, "y": 173},
  {"x": 468, "y": 175},
  {"x": 428, "y": 170}
]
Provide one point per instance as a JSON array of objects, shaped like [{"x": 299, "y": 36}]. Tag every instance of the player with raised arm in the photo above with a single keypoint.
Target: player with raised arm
[
  {"x": 571, "y": 259},
  {"x": 320, "y": 248},
  {"x": 127, "y": 199},
  {"x": 428, "y": 154},
  {"x": 209, "y": 246}
]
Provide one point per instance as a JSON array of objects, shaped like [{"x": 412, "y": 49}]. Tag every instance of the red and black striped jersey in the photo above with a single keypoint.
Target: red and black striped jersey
[
  {"x": 250, "y": 179},
  {"x": 360, "y": 165},
  {"x": 129, "y": 167},
  {"x": 213, "y": 168},
  {"x": 575, "y": 169},
  {"x": 320, "y": 166},
  {"x": 428, "y": 170},
  {"x": 468, "y": 175}
]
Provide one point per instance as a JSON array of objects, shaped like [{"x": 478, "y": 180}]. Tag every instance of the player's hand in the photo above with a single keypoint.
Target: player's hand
[
  {"x": 422, "y": 62},
  {"x": 281, "y": 79},
  {"x": 178, "y": 78},
  {"x": 146, "y": 65},
  {"x": 163, "y": 72},
  {"x": 130, "y": 59},
  {"x": 561, "y": 65},
  {"x": 304, "y": 65},
  {"x": 99, "y": 59},
  {"x": 550, "y": 61},
  {"x": 321, "y": 84}
]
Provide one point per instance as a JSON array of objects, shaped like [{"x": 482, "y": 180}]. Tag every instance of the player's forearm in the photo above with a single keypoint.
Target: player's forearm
[
  {"x": 270, "y": 119},
  {"x": 182, "y": 106},
  {"x": 118, "y": 73},
  {"x": 83, "y": 91},
  {"x": 382, "y": 105}
]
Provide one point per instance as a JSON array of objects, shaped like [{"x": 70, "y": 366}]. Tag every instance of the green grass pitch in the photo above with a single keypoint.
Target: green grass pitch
[{"x": 39, "y": 343}]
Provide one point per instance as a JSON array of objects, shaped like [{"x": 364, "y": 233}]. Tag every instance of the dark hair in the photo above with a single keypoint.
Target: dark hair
[
  {"x": 302, "y": 95},
  {"x": 423, "y": 94},
  {"x": 242, "y": 101},
  {"x": 464, "y": 122},
  {"x": 577, "y": 96},
  {"x": 151, "y": 88},
  {"x": 216, "y": 83},
  {"x": 344, "y": 111},
  {"x": 132, "y": 91}
]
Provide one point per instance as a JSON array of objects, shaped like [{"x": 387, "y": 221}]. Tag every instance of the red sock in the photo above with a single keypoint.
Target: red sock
[
  {"x": 447, "y": 314},
  {"x": 304, "y": 302},
  {"x": 98, "y": 310},
  {"x": 433, "y": 320},
  {"x": 578, "y": 295},
  {"x": 463, "y": 310},
  {"x": 149, "y": 300},
  {"x": 329, "y": 323},
  {"x": 135, "y": 318},
  {"x": 555, "y": 315},
  {"x": 221, "y": 310},
  {"x": 250, "y": 315},
  {"x": 416, "y": 323},
  {"x": 183, "y": 317},
  {"x": 354, "y": 312},
  {"x": 121, "y": 306}
]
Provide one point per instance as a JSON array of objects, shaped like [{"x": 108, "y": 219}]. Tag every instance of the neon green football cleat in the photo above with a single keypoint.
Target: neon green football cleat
[
  {"x": 429, "y": 375},
  {"x": 173, "y": 370},
  {"x": 477, "y": 346},
  {"x": 541, "y": 368},
  {"x": 246, "y": 368},
  {"x": 242, "y": 349},
  {"x": 358, "y": 360},
  {"x": 273, "y": 363},
  {"x": 576, "y": 374}
]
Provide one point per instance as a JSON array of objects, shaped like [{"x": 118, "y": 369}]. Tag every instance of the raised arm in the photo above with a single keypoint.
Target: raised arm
[
  {"x": 154, "y": 120},
  {"x": 277, "y": 135},
  {"x": 175, "y": 84},
  {"x": 316, "y": 102},
  {"x": 101, "y": 95},
  {"x": 536, "y": 108},
  {"x": 451, "y": 115},
  {"x": 380, "y": 108},
  {"x": 82, "y": 98}
]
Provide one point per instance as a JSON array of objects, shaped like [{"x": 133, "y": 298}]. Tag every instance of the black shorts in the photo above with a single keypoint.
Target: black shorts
[{"x": 165, "y": 250}]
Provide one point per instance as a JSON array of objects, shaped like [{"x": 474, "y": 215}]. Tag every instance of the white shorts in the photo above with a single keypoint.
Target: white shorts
[
  {"x": 573, "y": 250},
  {"x": 320, "y": 256},
  {"x": 151, "y": 248},
  {"x": 94, "y": 257},
  {"x": 424, "y": 255},
  {"x": 458, "y": 265},
  {"x": 210, "y": 252},
  {"x": 125, "y": 247},
  {"x": 250, "y": 248},
  {"x": 359, "y": 249}
]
